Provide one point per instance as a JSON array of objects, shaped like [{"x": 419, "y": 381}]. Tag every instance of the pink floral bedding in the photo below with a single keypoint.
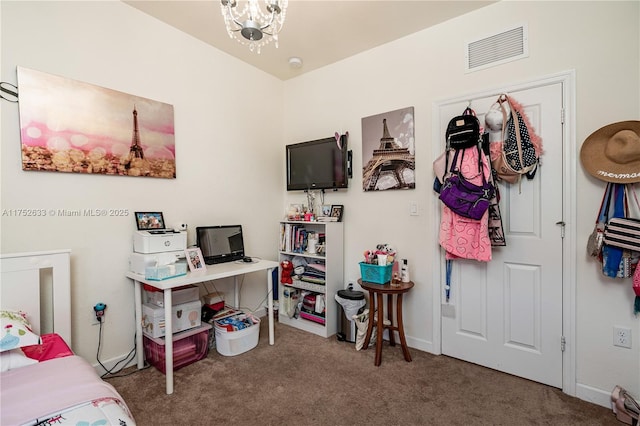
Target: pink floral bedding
[{"x": 60, "y": 391}]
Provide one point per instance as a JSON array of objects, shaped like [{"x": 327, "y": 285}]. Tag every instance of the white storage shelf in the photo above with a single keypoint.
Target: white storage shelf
[{"x": 333, "y": 260}]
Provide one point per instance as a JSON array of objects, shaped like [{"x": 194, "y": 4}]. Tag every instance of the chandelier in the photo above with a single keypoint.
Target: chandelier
[{"x": 257, "y": 26}]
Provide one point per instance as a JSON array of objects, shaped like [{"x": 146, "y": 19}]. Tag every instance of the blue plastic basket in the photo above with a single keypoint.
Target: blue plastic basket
[{"x": 375, "y": 274}]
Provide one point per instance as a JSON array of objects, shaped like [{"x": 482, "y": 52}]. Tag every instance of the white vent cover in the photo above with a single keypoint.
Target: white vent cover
[{"x": 509, "y": 45}]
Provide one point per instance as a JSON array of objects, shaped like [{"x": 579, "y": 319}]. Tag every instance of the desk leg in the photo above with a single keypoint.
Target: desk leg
[
  {"x": 236, "y": 293},
  {"x": 137, "y": 294},
  {"x": 168, "y": 340},
  {"x": 380, "y": 329},
  {"x": 270, "y": 304}
]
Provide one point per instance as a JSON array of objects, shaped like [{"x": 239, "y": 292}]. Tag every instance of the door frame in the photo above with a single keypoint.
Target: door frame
[{"x": 569, "y": 250}]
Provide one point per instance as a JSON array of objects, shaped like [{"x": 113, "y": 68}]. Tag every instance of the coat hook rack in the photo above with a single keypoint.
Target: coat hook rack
[{"x": 6, "y": 88}]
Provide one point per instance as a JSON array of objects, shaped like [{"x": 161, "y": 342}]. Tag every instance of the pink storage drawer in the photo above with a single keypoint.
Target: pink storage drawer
[{"x": 188, "y": 347}]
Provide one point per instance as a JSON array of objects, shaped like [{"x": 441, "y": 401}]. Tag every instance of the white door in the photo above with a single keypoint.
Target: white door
[{"x": 507, "y": 314}]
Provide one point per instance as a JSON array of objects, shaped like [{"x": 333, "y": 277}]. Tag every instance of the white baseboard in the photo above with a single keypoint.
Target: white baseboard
[
  {"x": 111, "y": 363},
  {"x": 594, "y": 395}
]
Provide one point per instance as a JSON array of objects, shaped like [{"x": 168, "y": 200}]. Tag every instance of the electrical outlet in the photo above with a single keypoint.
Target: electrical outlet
[
  {"x": 622, "y": 337},
  {"x": 94, "y": 320},
  {"x": 98, "y": 313}
]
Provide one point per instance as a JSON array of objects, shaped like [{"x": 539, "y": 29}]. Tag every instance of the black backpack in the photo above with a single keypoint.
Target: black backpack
[{"x": 463, "y": 131}]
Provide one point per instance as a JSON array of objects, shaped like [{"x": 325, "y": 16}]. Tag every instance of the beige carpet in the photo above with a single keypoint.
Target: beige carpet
[{"x": 308, "y": 380}]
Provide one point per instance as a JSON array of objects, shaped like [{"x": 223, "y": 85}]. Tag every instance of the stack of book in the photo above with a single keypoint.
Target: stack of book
[
  {"x": 293, "y": 238},
  {"x": 314, "y": 273}
]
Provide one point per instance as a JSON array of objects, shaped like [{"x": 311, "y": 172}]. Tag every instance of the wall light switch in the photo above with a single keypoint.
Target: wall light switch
[{"x": 413, "y": 209}]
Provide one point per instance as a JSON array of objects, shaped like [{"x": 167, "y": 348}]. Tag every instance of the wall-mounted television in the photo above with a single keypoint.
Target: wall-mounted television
[{"x": 318, "y": 164}]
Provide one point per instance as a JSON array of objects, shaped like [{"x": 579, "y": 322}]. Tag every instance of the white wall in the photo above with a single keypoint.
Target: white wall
[
  {"x": 228, "y": 152},
  {"x": 215, "y": 143},
  {"x": 599, "y": 40}
]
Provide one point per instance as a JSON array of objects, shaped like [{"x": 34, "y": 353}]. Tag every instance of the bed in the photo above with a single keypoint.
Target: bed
[{"x": 42, "y": 381}]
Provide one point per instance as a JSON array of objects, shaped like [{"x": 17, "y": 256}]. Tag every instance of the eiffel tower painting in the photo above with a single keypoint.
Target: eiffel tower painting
[
  {"x": 392, "y": 164},
  {"x": 135, "y": 163},
  {"x": 136, "y": 149},
  {"x": 97, "y": 120}
]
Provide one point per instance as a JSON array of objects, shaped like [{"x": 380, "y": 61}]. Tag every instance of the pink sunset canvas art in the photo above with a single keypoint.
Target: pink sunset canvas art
[{"x": 75, "y": 127}]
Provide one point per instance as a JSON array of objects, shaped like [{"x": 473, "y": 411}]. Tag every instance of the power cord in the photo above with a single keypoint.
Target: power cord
[
  {"x": 111, "y": 372},
  {"x": 240, "y": 290}
]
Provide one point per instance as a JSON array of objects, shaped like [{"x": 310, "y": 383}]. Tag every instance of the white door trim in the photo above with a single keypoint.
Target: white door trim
[{"x": 569, "y": 252}]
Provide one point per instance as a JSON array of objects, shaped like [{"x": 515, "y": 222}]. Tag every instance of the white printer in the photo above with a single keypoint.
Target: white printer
[
  {"x": 156, "y": 248},
  {"x": 159, "y": 241}
]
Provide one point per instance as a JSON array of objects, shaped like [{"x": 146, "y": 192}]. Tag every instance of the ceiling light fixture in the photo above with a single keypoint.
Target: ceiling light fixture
[{"x": 248, "y": 19}]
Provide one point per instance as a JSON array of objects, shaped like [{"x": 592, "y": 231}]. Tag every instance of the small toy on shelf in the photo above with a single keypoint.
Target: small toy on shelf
[
  {"x": 383, "y": 252},
  {"x": 286, "y": 268}
]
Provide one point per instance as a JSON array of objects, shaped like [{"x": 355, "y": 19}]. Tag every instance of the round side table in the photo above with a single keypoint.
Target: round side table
[{"x": 376, "y": 293}]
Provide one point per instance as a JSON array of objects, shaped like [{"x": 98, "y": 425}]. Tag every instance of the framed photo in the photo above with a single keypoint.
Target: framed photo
[
  {"x": 149, "y": 220},
  {"x": 336, "y": 211},
  {"x": 326, "y": 210},
  {"x": 389, "y": 161},
  {"x": 195, "y": 260}
]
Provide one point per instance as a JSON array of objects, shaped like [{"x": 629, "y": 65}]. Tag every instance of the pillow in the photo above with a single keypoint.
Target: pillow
[
  {"x": 16, "y": 331},
  {"x": 14, "y": 358}
]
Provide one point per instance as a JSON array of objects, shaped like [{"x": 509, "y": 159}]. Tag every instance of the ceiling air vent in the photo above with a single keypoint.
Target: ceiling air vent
[{"x": 506, "y": 46}]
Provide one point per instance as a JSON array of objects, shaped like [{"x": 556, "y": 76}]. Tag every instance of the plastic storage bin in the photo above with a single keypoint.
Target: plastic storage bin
[
  {"x": 188, "y": 347},
  {"x": 235, "y": 342},
  {"x": 375, "y": 274},
  {"x": 184, "y": 316},
  {"x": 180, "y": 295}
]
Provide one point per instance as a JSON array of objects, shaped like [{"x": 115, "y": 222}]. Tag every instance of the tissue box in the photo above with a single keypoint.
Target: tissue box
[
  {"x": 183, "y": 316},
  {"x": 139, "y": 262},
  {"x": 180, "y": 295},
  {"x": 159, "y": 273}
]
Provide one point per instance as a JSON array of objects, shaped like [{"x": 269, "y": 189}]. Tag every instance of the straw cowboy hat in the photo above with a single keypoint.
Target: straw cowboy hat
[{"x": 612, "y": 153}]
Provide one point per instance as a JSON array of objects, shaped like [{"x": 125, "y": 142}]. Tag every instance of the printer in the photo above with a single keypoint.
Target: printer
[
  {"x": 156, "y": 248},
  {"x": 159, "y": 241}
]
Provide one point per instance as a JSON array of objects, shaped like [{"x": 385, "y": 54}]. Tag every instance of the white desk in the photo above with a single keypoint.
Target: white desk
[{"x": 213, "y": 272}]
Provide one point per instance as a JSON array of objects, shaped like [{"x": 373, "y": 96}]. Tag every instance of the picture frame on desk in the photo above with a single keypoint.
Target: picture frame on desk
[
  {"x": 336, "y": 211},
  {"x": 194, "y": 258},
  {"x": 149, "y": 220}
]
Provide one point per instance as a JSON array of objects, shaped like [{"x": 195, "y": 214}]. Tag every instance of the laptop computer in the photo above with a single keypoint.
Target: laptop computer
[{"x": 220, "y": 244}]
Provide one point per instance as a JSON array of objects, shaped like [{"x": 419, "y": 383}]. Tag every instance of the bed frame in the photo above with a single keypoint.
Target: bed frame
[{"x": 35, "y": 283}]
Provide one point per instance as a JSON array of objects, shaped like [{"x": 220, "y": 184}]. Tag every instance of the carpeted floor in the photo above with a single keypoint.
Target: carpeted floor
[{"x": 308, "y": 380}]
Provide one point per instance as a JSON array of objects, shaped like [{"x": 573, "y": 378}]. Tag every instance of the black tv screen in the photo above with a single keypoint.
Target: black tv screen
[{"x": 318, "y": 164}]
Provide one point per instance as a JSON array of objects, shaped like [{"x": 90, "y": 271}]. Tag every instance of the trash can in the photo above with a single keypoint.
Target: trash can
[{"x": 352, "y": 302}]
